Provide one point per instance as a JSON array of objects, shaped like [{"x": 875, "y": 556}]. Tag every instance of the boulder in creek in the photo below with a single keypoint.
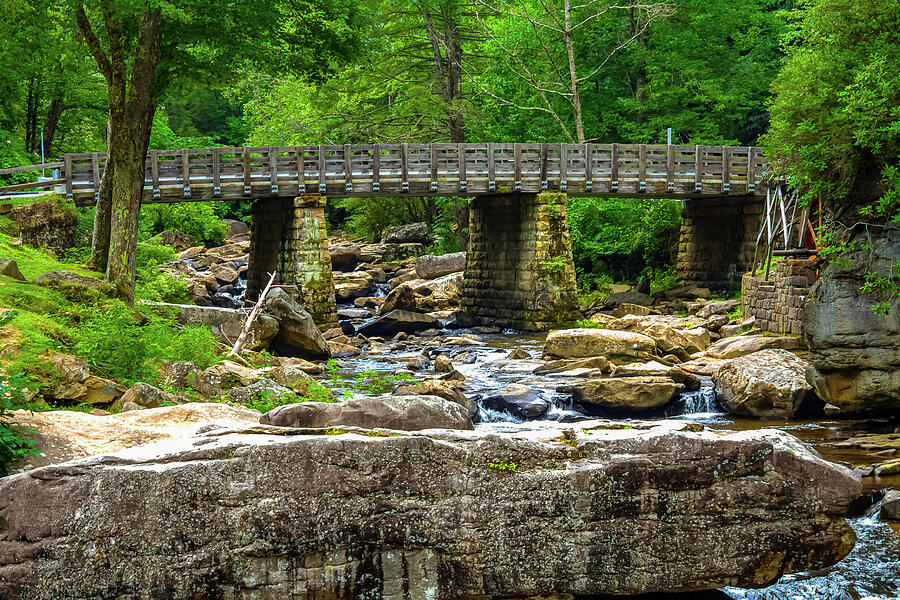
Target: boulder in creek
[
  {"x": 354, "y": 313},
  {"x": 890, "y": 506},
  {"x": 411, "y": 233},
  {"x": 765, "y": 384},
  {"x": 586, "y": 343},
  {"x": 624, "y": 395},
  {"x": 443, "y": 364},
  {"x": 10, "y": 268},
  {"x": 345, "y": 257},
  {"x": 145, "y": 395},
  {"x": 520, "y": 401},
  {"x": 403, "y": 413},
  {"x": 447, "y": 390},
  {"x": 401, "y": 297},
  {"x": 460, "y": 319},
  {"x": 342, "y": 350},
  {"x": 432, "y": 266},
  {"x": 224, "y": 273},
  {"x": 298, "y": 334},
  {"x": 234, "y": 515},
  {"x": 389, "y": 324},
  {"x": 717, "y": 308},
  {"x": 734, "y": 347},
  {"x": 854, "y": 351},
  {"x": 600, "y": 363},
  {"x": 626, "y": 308},
  {"x": 350, "y": 286},
  {"x": 226, "y": 324}
]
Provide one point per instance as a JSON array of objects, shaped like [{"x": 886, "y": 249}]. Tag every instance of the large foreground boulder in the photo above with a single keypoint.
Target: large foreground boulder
[
  {"x": 765, "y": 384},
  {"x": 440, "y": 516},
  {"x": 585, "y": 343},
  {"x": 406, "y": 413},
  {"x": 298, "y": 334},
  {"x": 854, "y": 350}
]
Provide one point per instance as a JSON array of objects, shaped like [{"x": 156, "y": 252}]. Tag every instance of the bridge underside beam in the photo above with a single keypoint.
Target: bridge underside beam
[
  {"x": 718, "y": 240},
  {"x": 288, "y": 235},
  {"x": 519, "y": 269}
]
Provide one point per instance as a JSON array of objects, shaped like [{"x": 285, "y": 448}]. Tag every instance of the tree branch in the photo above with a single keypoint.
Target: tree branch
[{"x": 90, "y": 38}]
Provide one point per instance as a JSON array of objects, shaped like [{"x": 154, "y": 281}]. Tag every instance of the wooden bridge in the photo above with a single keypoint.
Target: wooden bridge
[{"x": 670, "y": 171}]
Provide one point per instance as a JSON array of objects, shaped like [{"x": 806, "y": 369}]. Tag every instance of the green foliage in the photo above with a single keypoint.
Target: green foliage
[
  {"x": 501, "y": 465},
  {"x": 125, "y": 345},
  {"x": 13, "y": 446},
  {"x": 202, "y": 220},
  {"x": 660, "y": 279},
  {"x": 589, "y": 324},
  {"x": 152, "y": 284}
]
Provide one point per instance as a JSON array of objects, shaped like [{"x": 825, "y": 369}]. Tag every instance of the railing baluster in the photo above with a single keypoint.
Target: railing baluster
[
  {"x": 376, "y": 168},
  {"x": 348, "y": 168},
  {"x": 614, "y": 169},
  {"x": 186, "y": 173},
  {"x": 517, "y": 166},
  {"x": 563, "y": 168},
  {"x": 544, "y": 183},
  {"x": 300, "y": 156},
  {"x": 323, "y": 174},
  {"x": 588, "y": 167},
  {"x": 154, "y": 173},
  {"x": 492, "y": 180},
  {"x": 273, "y": 170},
  {"x": 463, "y": 184},
  {"x": 670, "y": 168},
  {"x": 642, "y": 168},
  {"x": 404, "y": 165},
  {"x": 69, "y": 176},
  {"x": 751, "y": 169},
  {"x": 434, "y": 167},
  {"x": 216, "y": 172},
  {"x": 95, "y": 171},
  {"x": 246, "y": 156},
  {"x": 726, "y": 169},
  {"x": 698, "y": 169}
]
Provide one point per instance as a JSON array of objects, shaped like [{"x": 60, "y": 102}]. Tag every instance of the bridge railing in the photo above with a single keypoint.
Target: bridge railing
[{"x": 433, "y": 169}]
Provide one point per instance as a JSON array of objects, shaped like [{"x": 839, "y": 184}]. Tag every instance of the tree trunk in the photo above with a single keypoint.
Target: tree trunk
[
  {"x": 54, "y": 113},
  {"x": 102, "y": 211},
  {"x": 128, "y": 152},
  {"x": 573, "y": 74},
  {"x": 447, "y": 55}
]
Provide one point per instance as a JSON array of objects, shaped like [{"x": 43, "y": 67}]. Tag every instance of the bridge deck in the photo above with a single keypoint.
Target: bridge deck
[{"x": 434, "y": 169}]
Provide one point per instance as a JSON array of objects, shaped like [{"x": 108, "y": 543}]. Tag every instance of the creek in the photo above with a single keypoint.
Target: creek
[{"x": 870, "y": 572}]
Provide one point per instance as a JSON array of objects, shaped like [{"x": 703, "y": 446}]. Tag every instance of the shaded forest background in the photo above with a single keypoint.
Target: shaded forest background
[{"x": 435, "y": 71}]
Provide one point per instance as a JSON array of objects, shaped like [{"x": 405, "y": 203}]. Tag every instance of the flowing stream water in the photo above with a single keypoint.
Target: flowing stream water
[{"x": 870, "y": 572}]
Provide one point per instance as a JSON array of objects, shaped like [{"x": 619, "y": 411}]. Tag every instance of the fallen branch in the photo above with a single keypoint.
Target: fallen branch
[{"x": 248, "y": 322}]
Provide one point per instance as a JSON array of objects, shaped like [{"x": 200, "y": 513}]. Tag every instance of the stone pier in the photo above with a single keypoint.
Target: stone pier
[
  {"x": 519, "y": 270},
  {"x": 288, "y": 235},
  {"x": 718, "y": 240}
]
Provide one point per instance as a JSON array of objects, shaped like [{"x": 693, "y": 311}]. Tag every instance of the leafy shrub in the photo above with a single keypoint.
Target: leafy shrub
[
  {"x": 125, "y": 345},
  {"x": 151, "y": 284},
  {"x": 13, "y": 446},
  {"x": 588, "y": 324},
  {"x": 199, "y": 219}
]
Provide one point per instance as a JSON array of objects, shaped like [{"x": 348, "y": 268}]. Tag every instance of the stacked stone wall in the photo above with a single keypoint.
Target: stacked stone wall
[
  {"x": 718, "y": 240},
  {"x": 289, "y": 236},
  {"x": 519, "y": 268},
  {"x": 777, "y": 304}
]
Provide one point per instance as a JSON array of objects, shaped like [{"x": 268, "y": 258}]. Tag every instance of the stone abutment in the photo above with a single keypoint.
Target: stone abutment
[{"x": 519, "y": 269}]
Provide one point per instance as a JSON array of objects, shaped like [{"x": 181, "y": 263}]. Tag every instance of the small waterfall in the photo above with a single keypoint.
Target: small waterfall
[{"x": 700, "y": 402}]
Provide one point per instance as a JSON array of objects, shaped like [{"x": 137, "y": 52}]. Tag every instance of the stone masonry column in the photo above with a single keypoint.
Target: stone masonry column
[
  {"x": 288, "y": 235},
  {"x": 519, "y": 268},
  {"x": 718, "y": 240}
]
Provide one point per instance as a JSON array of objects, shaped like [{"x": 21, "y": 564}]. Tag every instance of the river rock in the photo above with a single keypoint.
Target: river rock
[
  {"x": 224, "y": 273},
  {"x": 401, "y": 297},
  {"x": 733, "y": 347},
  {"x": 237, "y": 231},
  {"x": 64, "y": 435},
  {"x": 586, "y": 343},
  {"x": 186, "y": 375},
  {"x": 627, "y": 395},
  {"x": 345, "y": 257},
  {"x": 145, "y": 395},
  {"x": 260, "y": 389},
  {"x": 717, "y": 308},
  {"x": 74, "y": 286},
  {"x": 411, "y": 233},
  {"x": 460, "y": 319},
  {"x": 890, "y": 506},
  {"x": 854, "y": 351},
  {"x": 557, "y": 366},
  {"x": 436, "y": 387},
  {"x": 297, "y": 334},
  {"x": 765, "y": 384},
  {"x": 404, "y": 413},
  {"x": 10, "y": 268},
  {"x": 387, "y": 325},
  {"x": 520, "y": 401},
  {"x": 350, "y": 286},
  {"x": 432, "y": 267},
  {"x": 636, "y": 298},
  {"x": 233, "y": 515},
  {"x": 443, "y": 364}
]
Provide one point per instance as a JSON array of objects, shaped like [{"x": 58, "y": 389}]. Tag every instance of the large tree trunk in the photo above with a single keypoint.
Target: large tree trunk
[
  {"x": 447, "y": 51},
  {"x": 54, "y": 113},
  {"x": 102, "y": 211},
  {"x": 573, "y": 74}
]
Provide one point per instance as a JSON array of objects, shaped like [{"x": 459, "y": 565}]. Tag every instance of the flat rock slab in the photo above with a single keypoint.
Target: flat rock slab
[
  {"x": 439, "y": 515},
  {"x": 587, "y": 343}
]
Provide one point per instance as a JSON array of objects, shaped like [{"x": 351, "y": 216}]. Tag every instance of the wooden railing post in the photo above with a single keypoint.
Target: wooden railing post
[
  {"x": 69, "y": 176},
  {"x": 404, "y": 166},
  {"x": 517, "y": 167},
  {"x": 614, "y": 169},
  {"x": 698, "y": 169},
  {"x": 642, "y": 168},
  {"x": 323, "y": 176},
  {"x": 563, "y": 168},
  {"x": 95, "y": 171},
  {"x": 246, "y": 156},
  {"x": 185, "y": 173},
  {"x": 348, "y": 168},
  {"x": 376, "y": 168},
  {"x": 492, "y": 181},
  {"x": 670, "y": 168},
  {"x": 154, "y": 174},
  {"x": 588, "y": 167},
  {"x": 726, "y": 169},
  {"x": 433, "y": 159},
  {"x": 463, "y": 184},
  {"x": 544, "y": 183},
  {"x": 300, "y": 156},
  {"x": 217, "y": 172},
  {"x": 273, "y": 170}
]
